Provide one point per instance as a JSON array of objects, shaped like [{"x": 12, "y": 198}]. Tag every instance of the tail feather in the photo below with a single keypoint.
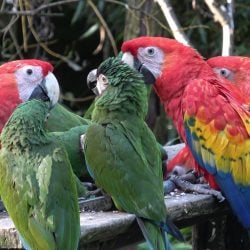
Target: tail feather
[
  {"x": 154, "y": 235},
  {"x": 169, "y": 227}
]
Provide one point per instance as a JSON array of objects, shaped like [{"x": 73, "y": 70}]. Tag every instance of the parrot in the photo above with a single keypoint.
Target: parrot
[
  {"x": 209, "y": 113},
  {"x": 17, "y": 81},
  {"x": 38, "y": 187},
  {"x": 122, "y": 154},
  {"x": 236, "y": 69},
  {"x": 18, "y": 78}
]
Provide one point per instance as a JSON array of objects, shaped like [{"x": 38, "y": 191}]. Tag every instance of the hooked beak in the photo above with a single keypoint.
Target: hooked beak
[
  {"x": 96, "y": 84},
  {"x": 40, "y": 92},
  {"x": 135, "y": 63},
  {"x": 92, "y": 81},
  {"x": 47, "y": 90}
]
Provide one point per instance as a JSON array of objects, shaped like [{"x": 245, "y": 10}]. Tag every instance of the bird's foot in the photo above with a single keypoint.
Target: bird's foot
[
  {"x": 90, "y": 186},
  {"x": 187, "y": 186},
  {"x": 96, "y": 192}
]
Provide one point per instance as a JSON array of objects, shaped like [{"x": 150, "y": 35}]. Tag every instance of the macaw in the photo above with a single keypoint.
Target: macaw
[
  {"x": 122, "y": 153},
  {"x": 18, "y": 79},
  {"x": 38, "y": 187},
  {"x": 209, "y": 113},
  {"x": 236, "y": 69}
]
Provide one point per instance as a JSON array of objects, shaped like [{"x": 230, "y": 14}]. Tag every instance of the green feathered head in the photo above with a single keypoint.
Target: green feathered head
[
  {"x": 114, "y": 72},
  {"x": 120, "y": 87}
]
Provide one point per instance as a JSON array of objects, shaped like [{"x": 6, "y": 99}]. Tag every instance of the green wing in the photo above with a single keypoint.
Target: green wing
[
  {"x": 61, "y": 119},
  {"x": 70, "y": 140},
  {"x": 40, "y": 196},
  {"x": 120, "y": 167}
]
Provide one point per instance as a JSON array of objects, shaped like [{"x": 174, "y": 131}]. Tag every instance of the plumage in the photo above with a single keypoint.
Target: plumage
[
  {"x": 37, "y": 183},
  {"x": 236, "y": 69},
  {"x": 209, "y": 113},
  {"x": 122, "y": 152}
]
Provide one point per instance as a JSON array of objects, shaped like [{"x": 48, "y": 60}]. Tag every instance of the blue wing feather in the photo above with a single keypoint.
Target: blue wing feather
[{"x": 237, "y": 195}]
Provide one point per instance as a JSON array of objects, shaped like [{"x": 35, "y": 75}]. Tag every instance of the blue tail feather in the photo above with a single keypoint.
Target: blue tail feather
[
  {"x": 154, "y": 235},
  {"x": 24, "y": 243}
]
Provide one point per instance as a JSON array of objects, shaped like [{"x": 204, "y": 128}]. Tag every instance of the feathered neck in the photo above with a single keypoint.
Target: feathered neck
[
  {"x": 176, "y": 73},
  {"x": 176, "y": 76},
  {"x": 26, "y": 126}
]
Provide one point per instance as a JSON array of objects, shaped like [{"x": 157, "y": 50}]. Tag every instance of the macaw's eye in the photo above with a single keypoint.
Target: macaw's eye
[
  {"x": 104, "y": 79},
  {"x": 29, "y": 71},
  {"x": 224, "y": 72},
  {"x": 150, "y": 51}
]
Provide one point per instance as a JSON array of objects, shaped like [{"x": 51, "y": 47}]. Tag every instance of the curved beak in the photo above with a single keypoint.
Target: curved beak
[
  {"x": 40, "y": 92},
  {"x": 135, "y": 63},
  {"x": 92, "y": 81},
  {"x": 47, "y": 90}
]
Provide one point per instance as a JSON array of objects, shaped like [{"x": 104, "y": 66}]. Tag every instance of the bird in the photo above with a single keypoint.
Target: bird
[
  {"x": 209, "y": 113},
  {"x": 122, "y": 154}
]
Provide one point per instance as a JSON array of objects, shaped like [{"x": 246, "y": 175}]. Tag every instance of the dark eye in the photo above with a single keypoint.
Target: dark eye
[
  {"x": 104, "y": 79},
  {"x": 151, "y": 51},
  {"x": 224, "y": 72},
  {"x": 29, "y": 71}
]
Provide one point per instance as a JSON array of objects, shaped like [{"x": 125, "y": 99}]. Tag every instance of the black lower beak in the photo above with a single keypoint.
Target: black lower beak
[
  {"x": 147, "y": 74},
  {"x": 40, "y": 92}
]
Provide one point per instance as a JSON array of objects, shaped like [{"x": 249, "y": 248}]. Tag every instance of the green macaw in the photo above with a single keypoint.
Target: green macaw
[
  {"x": 38, "y": 186},
  {"x": 122, "y": 153}
]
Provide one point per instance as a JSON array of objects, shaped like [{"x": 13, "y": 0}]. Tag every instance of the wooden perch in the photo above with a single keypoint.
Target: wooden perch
[{"x": 103, "y": 228}]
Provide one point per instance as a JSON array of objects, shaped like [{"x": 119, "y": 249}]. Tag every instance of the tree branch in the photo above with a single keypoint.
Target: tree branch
[
  {"x": 173, "y": 22},
  {"x": 224, "y": 15}
]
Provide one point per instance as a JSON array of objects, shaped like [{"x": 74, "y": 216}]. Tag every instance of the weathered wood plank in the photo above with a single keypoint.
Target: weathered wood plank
[{"x": 100, "y": 227}]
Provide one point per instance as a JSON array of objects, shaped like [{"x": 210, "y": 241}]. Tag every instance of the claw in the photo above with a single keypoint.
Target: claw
[{"x": 187, "y": 186}]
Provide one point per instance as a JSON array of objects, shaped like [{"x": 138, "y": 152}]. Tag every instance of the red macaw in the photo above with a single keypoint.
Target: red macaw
[
  {"x": 236, "y": 69},
  {"x": 209, "y": 113},
  {"x": 17, "y": 81}
]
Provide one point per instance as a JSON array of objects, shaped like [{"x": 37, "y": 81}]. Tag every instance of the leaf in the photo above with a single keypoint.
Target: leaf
[
  {"x": 78, "y": 13},
  {"x": 90, "y": 31}
]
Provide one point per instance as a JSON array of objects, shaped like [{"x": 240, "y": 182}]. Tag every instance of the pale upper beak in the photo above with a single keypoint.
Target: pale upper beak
[
  {"x": 135, "y": 63},
  {"x": 47, "y": 90},
  {"x": 96, "y": 84}
]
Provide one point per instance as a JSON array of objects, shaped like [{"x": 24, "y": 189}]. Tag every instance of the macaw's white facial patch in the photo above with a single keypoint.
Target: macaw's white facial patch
[
  {"x": 225, "y": 73},
  {"x": 102, "y": 84},
  {"x": 152, "y": 58},
  {"x": 28, "y": 77}
]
